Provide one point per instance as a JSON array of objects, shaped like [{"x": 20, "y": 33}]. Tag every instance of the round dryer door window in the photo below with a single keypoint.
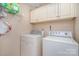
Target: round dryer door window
[{"x": 4, "y": 27}]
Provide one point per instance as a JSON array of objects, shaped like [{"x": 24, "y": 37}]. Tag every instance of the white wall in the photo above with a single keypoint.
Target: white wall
[{"x": 10, "y": 43}]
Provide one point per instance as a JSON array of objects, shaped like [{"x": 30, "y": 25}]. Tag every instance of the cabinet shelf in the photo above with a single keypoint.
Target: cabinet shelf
[{"x": 52, "y": 19}]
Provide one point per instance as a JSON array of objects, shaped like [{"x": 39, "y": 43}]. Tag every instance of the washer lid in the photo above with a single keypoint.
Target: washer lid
[
  {"x": 31, "y": 35},
  {"x": 61, "y": 39}
]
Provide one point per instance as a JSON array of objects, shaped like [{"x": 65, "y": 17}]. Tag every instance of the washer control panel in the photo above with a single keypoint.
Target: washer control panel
[{"x": 61, "y": 33}]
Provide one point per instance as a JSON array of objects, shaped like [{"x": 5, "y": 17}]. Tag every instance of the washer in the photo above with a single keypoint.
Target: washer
[
  {"x": 60, "y": 44},
  {"x": 31, "y": 45}
]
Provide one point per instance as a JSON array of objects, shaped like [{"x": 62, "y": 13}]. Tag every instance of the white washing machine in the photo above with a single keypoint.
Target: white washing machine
[
  {"x": 31, "y": 45},
  {"x": 60, "y": 44}
]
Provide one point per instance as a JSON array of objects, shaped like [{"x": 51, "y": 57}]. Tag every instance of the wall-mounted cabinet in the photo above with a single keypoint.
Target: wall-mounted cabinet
[{"x": 53, "y": 12}]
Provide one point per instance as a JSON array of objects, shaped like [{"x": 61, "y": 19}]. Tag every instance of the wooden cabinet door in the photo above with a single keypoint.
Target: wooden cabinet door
[
  {"x": 43, "y": 13},
  {"x": 34, "y": 15},
  {"x": 66, "y": 10},
  {"x": 76, "y": 9},
  {"x": 39, "y": 14},
  {"x": 52, "y": 10}
]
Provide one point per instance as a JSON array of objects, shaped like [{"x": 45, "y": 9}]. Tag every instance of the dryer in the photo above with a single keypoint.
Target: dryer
[{"x": 31, "y": 45}]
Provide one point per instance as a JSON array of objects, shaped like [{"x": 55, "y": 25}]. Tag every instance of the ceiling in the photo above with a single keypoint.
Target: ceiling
[{"x": 36, "y": 5}]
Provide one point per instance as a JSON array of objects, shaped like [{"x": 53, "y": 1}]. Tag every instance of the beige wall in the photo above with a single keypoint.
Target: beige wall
[
  {"x": 77, "y": 29},
  {"x": 64, "y": 25},
  {"x": 10, "y": 43},
  {"x": 77, "y": 25}
]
